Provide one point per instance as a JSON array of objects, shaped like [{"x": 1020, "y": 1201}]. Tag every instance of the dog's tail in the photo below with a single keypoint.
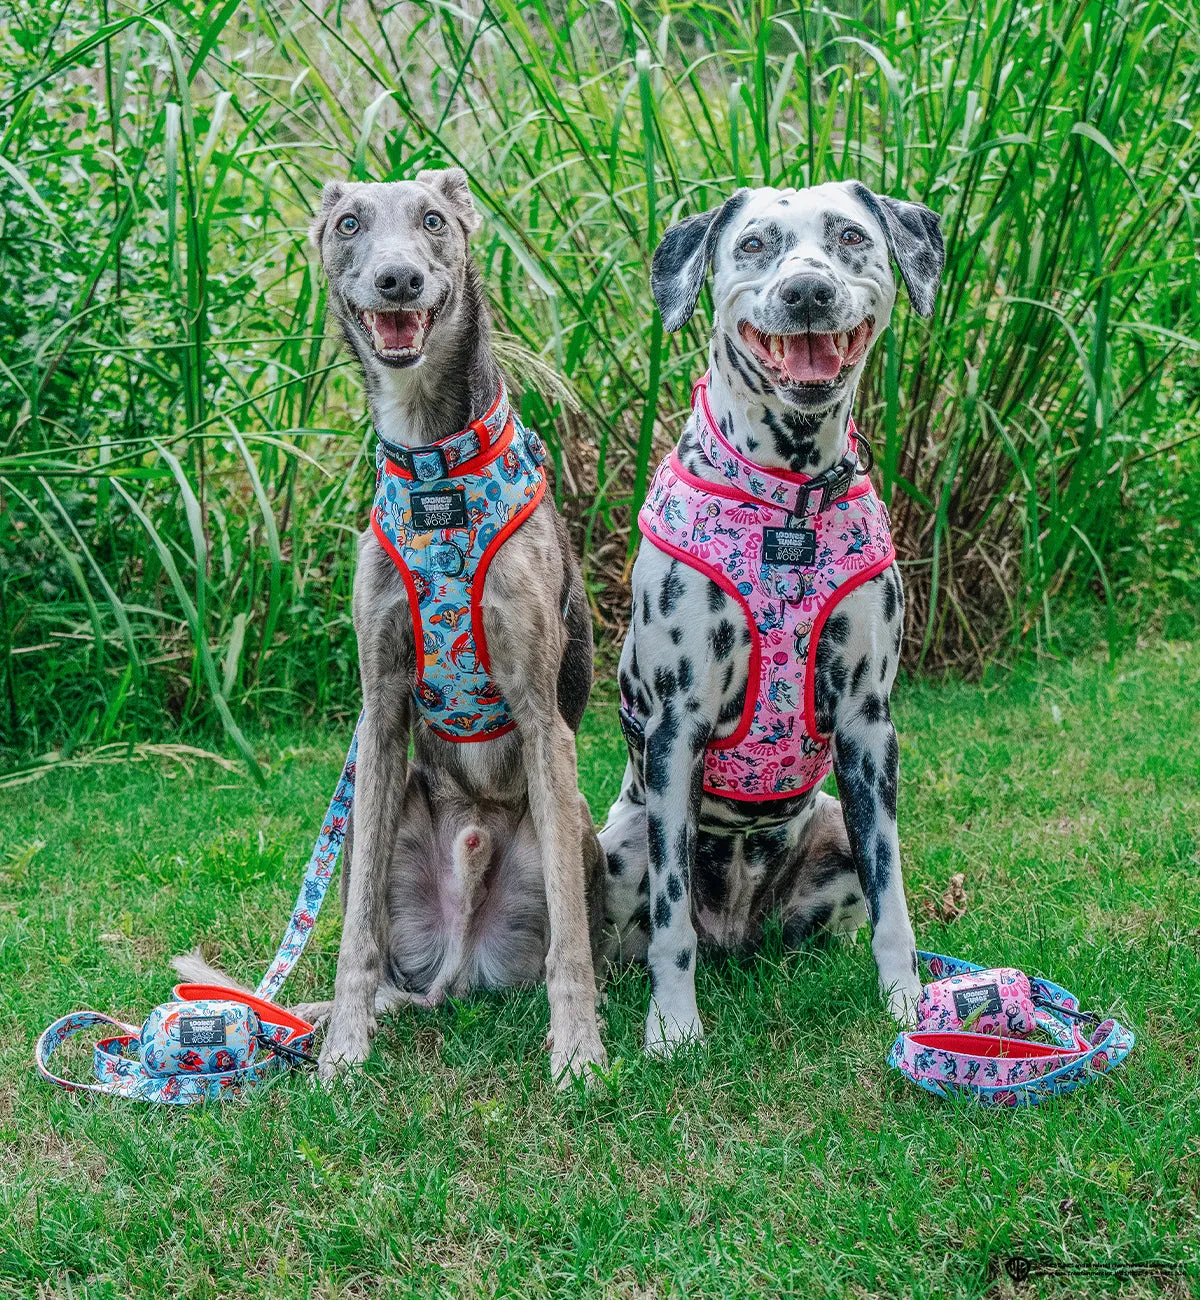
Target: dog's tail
[{"x": 195, "y": 970}]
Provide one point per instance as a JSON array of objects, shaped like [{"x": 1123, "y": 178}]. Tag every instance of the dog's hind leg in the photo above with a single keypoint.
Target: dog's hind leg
[
  {"x": 825, "y": 895},
  {"x": 626, "y": 934}
]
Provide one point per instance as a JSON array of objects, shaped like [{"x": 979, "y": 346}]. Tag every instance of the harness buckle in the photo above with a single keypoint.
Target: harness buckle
[
  {"x": 832, "y": 484},
  {"x": 442, "y": 466},
  {"x": 406, "y": 458}
]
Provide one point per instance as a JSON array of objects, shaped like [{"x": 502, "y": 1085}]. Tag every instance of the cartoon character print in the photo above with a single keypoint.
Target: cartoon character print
[
  {"x": 701, "y": 521},
  {"x": 454, "y": 693},
  {"x": 724, "y": 535},
  {"x": 782, "y": 692},
  {"x": 860, "y": 550},
  {"x": 510, "y": 465},
  {"x": 317, "y": 876},
  {"x": 487, "y": 695},
  {"x": 938, "y": 1006},
  {"x": 676, "y": 514},
  {"x": 462, "y": 656},
  {"x": 428, "y": 696}
]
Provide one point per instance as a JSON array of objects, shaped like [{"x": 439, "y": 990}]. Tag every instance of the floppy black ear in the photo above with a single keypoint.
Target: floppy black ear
[
  {"x": 914, "y": 239},
  {"x": 682, "y": 260}
]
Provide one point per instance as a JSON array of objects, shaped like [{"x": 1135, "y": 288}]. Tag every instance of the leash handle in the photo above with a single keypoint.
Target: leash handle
[
  {"x": 53, "y": 1037},
  {"x": 318, "y": 874},
  {"x": 946, "y": 1063}
]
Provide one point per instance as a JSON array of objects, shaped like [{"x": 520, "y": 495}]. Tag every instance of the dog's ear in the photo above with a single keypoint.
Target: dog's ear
[
  {"x": 914, "y": 239},
  {"x": 331, "y": 196},
  {"x": 451, "y": 183},
  {"x": 682, "y": 260}
]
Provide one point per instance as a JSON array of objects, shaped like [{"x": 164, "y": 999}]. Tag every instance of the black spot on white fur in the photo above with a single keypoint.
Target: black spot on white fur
[{"x": 914, "y": 239}]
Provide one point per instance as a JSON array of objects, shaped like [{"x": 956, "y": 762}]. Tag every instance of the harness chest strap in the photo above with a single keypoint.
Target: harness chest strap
[
  {"x": 756, "y": 535},
  {"x": 442, "y": 513}
]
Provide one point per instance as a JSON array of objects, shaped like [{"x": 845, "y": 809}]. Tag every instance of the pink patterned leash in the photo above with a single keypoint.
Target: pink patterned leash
[{"x": 994, "y": 1068}]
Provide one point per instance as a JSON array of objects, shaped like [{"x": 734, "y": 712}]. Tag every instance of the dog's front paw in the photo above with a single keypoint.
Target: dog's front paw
[
  {"x": 574, "y": 1059},
  {"x": 344, "y": 1047},
  {"x": 666, "y": 1032},
  {"x": 316, "y": 1013},
  {"x": 902, "y": 1001}
]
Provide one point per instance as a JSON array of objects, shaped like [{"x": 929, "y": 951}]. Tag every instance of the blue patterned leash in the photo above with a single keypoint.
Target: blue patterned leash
[
  {"x": 317, "y": 876},
  {"x": 119, "y": 1067}
]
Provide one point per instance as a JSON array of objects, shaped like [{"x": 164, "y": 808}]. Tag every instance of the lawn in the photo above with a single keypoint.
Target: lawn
[{"x": 782, "y": 1157}]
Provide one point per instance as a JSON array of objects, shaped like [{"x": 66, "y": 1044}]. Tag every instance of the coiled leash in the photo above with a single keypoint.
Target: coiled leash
[
  {"x": 213, "y": 1041},
  {"x": 972, "y": 1038}
]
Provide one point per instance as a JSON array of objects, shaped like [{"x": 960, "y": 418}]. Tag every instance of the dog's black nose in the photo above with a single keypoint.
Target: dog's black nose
[
  {"x": 808, "y": 292},
  {"x": 399, "y": 281}
]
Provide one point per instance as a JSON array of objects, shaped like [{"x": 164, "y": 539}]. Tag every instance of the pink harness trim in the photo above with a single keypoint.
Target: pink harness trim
[
  {"x": 787, "y": 566},
  {"x": 1002, "y": 1068}
]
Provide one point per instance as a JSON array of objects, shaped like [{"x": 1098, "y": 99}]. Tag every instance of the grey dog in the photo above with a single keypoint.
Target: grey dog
[
  {"x": 473, "y": 865},
  {"x": 802, "y": 286}
]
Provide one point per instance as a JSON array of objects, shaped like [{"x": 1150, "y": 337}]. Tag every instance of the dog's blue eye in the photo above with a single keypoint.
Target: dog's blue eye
[
  {"x": 852, "y": 236},
  {"x": 434, "y": 221},
  {"x": 348, "y": 225},
  {"x": 751, "y": 245}
]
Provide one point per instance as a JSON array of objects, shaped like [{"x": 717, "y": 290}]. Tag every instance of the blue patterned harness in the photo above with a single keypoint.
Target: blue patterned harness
[{"x": 441, "y": 512}]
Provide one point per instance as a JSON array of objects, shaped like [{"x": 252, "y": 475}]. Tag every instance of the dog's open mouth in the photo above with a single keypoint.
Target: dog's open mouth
[
  {"x": 809, "y": 358},
  {"x": 397, "y": 335}
]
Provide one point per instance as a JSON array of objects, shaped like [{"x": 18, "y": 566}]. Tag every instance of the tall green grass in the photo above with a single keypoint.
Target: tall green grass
[{"x": 185, "y": 462}]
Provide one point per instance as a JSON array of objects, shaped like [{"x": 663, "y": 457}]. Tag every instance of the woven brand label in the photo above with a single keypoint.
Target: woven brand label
[
  {"x": 444, "y": 508},
  {"x": 789, "y": 545},
  {"x": 202, "y": 1031},
  {"x": 983, "y": 999}
]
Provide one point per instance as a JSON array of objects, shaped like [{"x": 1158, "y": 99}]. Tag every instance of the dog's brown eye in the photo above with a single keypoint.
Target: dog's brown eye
[
  {"x": 434, "y": 221},
  {"x": 348, "y": 224},
  {"x": 751, "y": 244},
  {"x": 852, "y": 235}
]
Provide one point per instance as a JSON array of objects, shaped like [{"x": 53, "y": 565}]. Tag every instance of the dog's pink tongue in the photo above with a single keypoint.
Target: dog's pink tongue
[
  {"x": 397, "y": 329},
  {"x": 810, "y": 358}
]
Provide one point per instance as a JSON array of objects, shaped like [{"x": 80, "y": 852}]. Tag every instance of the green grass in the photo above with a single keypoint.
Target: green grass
[{"x": 782, "y": 1158}]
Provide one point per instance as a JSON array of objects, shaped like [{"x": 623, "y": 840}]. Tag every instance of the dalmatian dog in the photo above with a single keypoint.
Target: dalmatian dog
[{"x": 803, "y": 286}]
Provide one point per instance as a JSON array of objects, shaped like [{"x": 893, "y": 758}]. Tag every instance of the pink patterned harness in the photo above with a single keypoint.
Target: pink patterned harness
[{"x": 787, "y": 562}]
